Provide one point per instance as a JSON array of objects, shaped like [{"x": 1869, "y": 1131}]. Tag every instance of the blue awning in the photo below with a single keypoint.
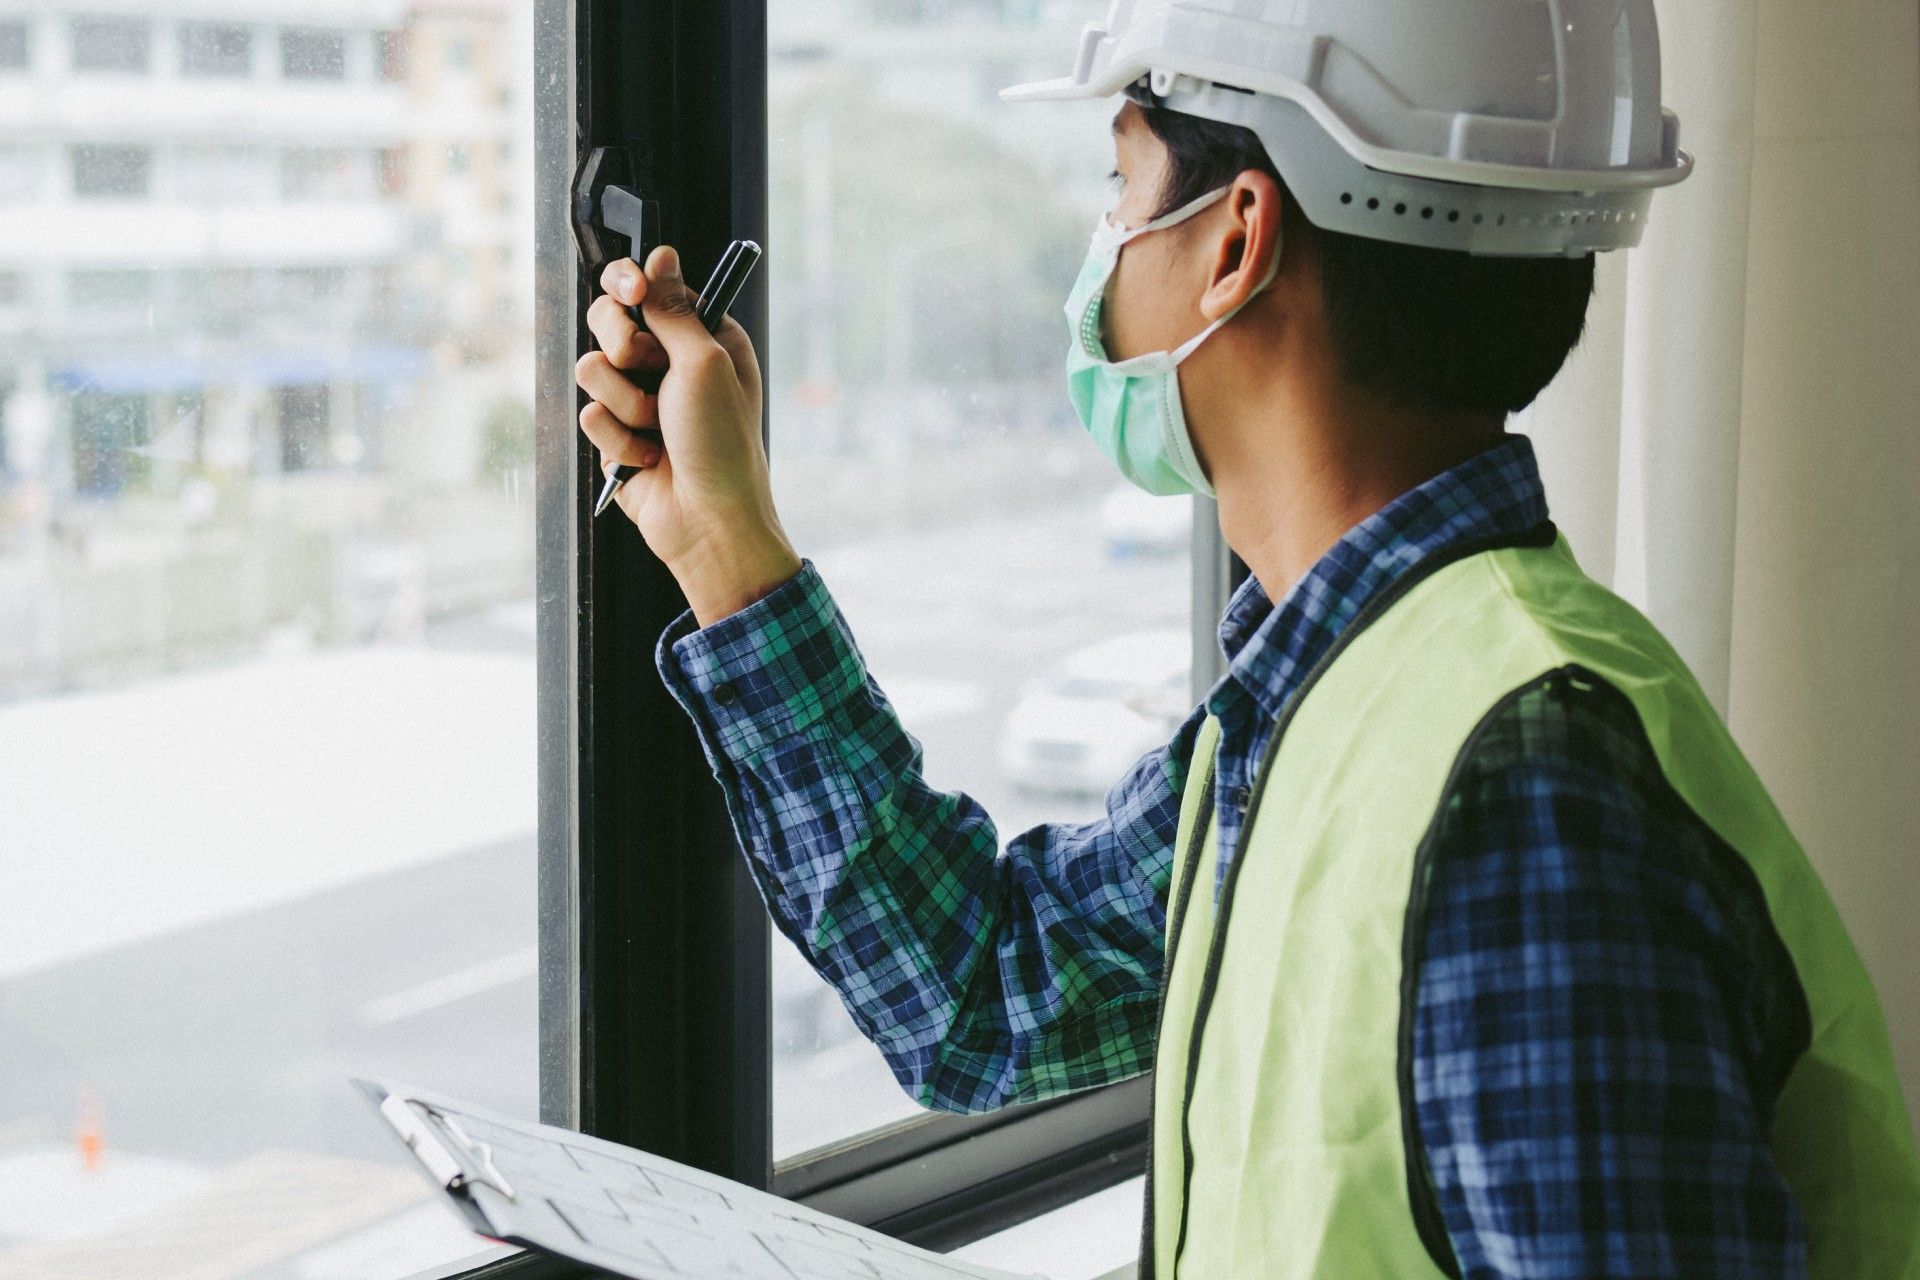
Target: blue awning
[{"x": 167, "y": 372}]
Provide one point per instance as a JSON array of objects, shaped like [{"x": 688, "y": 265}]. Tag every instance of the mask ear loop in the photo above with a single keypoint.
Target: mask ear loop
[
  {"x": 1186, "y": 348},
  {"x": 1108, "y": 237}
]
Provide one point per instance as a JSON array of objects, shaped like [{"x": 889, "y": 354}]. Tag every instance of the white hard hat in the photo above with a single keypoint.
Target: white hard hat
[{"x": 1507, "y": 127}]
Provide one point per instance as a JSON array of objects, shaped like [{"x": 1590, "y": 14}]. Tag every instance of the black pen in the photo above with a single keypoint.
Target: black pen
[{"x": 723, "y": 286}]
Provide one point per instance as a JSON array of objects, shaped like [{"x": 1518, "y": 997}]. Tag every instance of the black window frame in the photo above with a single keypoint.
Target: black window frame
[{"x": 655, "y": 957}]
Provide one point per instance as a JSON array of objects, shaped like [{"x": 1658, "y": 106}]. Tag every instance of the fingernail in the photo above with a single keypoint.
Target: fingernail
[
  {"x": 670, "y": 261},
  {"x": 623, "y": 283}
]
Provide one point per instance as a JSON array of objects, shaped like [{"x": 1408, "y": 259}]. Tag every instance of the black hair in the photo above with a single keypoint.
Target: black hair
[{"x": 1439, "y": 330}]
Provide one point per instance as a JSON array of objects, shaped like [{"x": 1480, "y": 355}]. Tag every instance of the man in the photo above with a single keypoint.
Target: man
[{"x": 1460, "y": 936}]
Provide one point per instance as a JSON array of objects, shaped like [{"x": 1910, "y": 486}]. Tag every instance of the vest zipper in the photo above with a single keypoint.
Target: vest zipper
[{"x": 1540, "y": 535}]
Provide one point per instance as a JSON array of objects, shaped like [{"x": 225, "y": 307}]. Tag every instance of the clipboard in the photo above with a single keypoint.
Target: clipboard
[{"x": 628, "y": 1212}]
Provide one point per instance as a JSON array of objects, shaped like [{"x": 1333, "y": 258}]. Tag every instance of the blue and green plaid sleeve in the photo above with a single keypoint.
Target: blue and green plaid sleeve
[{"x": 985, "y": 976}]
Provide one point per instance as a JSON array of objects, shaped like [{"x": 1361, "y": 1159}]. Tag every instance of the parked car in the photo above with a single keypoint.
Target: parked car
[{"x": 1078, "y": 728}]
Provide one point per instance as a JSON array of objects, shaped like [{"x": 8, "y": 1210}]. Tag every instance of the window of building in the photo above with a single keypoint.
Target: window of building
[
  {"x": 390, "y": 54},
  {"x": 96, "y": 287},
  {"x": 393, "y": 163},
  {"x": 299, "y": 285},
  {"x": 107, "y": 427},
  {"x": 325, "y": 173},
  {"x": 13, "y": 45},
  {"x": 313, "y": 53},
  {"x": 304, "y": 417},
  {"x": 19, "y": 174},
  {"x": 111, "y": 171},
  {"x": 216, "y": 49},
  {"x": 216, "y": 175},
  {"x": 116, "y": 44}
]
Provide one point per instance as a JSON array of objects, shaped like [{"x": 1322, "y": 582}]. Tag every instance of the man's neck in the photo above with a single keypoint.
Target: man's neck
[{"x": 1311, "y": 470}]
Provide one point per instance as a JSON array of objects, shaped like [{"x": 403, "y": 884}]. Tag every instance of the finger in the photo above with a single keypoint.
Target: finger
[
  {"x": 613, "y": 329},
  {"x": 607, "y": 465},
  {"x": 621, "y": 279},
  {"x": 668, "y": 306},
  {"x": 733, "y": 336},
  {"x": 598, "y": 378},
  {"x": 626, "y": 344},
  {"x": 616, "y": 440}
]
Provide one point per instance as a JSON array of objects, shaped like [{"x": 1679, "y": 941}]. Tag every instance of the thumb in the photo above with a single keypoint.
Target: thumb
[{"x": 668, "y": 307}]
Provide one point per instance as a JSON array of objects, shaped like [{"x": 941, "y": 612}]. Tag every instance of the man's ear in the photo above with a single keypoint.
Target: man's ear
[{"x": 1246, "y": 242}]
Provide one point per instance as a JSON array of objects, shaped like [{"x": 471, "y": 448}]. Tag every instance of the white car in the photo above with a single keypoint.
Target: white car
[{"x": 1078, "y": 729}]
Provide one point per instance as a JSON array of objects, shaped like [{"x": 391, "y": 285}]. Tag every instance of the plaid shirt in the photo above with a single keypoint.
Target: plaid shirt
[{"x": 1603, "y": 1010}]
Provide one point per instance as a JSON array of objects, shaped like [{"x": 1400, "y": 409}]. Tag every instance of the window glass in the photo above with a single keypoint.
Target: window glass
[
  {"x": 1026, "y": 616},
  {"x": 267, "y": 620},
  {"x": 215, "y": 49},
  {"x": 329, "y": 173},
  {"x": 91, "y": 288},
  {"x": 19, "y": 174},
  {"x": 390, "y": 54},
  {"x": 103, "y": 171},
  {"x": 313, "y": 53},
  {"x": 215, "y": 176},
  {"x": 111, "y": 44},
  {"x": 13, "y": 45}
]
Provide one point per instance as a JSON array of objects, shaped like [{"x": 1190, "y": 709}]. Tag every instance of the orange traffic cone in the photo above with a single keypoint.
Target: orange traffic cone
[{"x": 90, "y": 1136}]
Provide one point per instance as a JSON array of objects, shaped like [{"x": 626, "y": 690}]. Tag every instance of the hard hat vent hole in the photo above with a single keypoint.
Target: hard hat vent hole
[
  {"x": 1346, "y": 197},
  {"x": 1500, "y": 221},
  {"x": 1427, "y": 212},
  {"x": 1373, "y": 202},
  {"x": 1453, "y": 215},
  {"x": 1479, "y": 218},
  {"x": 1401, "y": 207}
]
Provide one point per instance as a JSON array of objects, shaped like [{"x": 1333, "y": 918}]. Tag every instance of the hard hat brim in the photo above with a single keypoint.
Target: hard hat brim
[{"x": 1055, "y": 90}]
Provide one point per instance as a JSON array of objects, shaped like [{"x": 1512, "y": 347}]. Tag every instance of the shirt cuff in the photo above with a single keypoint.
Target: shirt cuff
[{"x": 767, "y": 672}]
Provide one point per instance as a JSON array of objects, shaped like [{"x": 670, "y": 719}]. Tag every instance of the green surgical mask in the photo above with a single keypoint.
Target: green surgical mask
[{"x": 1132, "y": 408}]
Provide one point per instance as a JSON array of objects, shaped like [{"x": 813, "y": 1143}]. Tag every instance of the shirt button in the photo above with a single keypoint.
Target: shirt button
[
  {"x": 724, "y": 694},
  {"x": 1241, "y": 795}
]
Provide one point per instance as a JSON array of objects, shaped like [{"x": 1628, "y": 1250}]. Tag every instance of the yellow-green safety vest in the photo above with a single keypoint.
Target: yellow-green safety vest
[{"x": 1280, "y": 1133}]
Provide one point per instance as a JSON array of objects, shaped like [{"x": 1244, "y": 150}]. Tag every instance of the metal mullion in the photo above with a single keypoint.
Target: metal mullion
[{"x": 557, "y": 543}]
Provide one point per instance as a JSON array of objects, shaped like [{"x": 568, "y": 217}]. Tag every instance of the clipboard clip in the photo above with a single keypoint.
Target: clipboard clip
[{"x": 446, "y": 1167}]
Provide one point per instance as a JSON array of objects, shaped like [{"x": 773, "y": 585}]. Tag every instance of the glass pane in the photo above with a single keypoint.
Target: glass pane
[
  {"x": 267, "y": 755},
  {"x": 1025, "y": 612}
]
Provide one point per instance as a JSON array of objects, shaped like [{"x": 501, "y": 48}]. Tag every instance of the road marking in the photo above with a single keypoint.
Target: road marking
[{"x": 453, "y": 986}]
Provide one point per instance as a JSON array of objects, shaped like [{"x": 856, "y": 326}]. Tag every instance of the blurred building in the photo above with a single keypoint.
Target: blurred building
[
  {"x": 236, "y": 242},
  {"x": 265, "y": 313}
]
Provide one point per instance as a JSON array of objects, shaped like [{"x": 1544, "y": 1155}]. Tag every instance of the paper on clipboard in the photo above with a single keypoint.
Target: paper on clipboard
[{"x": 629, "y": 1212}]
